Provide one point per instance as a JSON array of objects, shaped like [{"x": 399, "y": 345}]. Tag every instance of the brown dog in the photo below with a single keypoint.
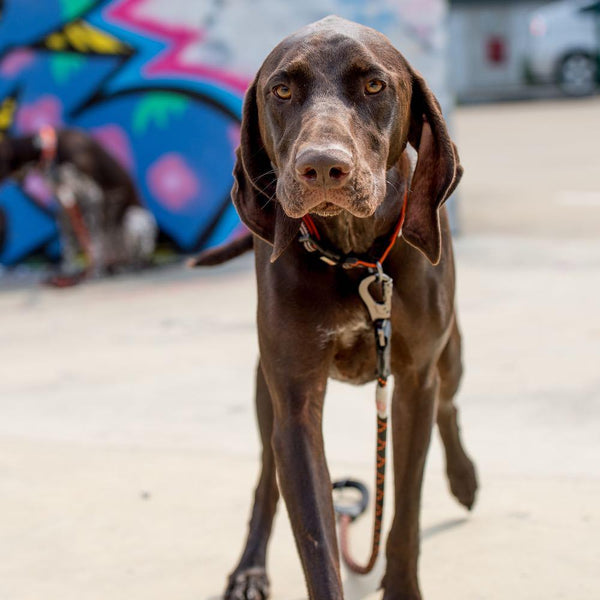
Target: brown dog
[
  {"x": 325, "y": 129},
  {"x": 99, "y": 213}
]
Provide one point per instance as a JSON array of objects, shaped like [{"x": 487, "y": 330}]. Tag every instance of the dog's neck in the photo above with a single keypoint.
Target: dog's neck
[{"x": 355, "y": 235}]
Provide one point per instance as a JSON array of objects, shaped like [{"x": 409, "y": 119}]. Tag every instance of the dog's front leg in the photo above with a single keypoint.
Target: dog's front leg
[
  {"x": 413, "y": 408},
  {"x": 296, "y": 373},
  {"x": 249, "y": 579}
]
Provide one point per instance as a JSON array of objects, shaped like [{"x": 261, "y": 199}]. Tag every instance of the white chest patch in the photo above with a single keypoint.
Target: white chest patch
[{"x": 345, "y": 335}]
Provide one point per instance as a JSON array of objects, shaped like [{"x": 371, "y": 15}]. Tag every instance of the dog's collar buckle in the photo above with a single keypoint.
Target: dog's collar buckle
[
  {"x": 312, "y": 245},
  {"x": 328, "y": 261}
]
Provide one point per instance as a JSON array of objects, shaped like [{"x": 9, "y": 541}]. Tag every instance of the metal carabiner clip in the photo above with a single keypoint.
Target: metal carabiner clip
[{"x": 377, "y": 310}]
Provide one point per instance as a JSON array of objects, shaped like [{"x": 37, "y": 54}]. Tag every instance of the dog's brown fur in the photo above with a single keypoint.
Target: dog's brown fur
[{"x": 331, "y": 149}]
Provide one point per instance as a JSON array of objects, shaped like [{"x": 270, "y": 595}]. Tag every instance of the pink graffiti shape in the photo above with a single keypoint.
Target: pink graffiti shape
[
  {"x": 177, "y": 39},
  {"x": 238, "y": 232},
  {"x": 46, "y": 110},
  {"x": 36, "y": 186},
  {"x": 16, "y": 61},
  {"x": 172, "y": 181},
  {"x": 115, "y": 141}
]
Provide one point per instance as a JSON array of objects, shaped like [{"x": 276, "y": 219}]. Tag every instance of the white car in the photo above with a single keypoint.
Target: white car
[{"x": 564, "y": 45}]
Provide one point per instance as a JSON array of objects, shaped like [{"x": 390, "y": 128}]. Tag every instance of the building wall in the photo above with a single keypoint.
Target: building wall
[
  {"x": 487, "y": 47},
  {"x": 161, "y": 84}
]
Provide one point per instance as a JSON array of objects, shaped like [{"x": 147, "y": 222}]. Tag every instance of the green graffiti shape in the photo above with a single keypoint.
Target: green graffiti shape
[
  {"x": 71, "y": 9},
  {"x": 63, "y": 66},
  {"x": 156, "y": 109}
]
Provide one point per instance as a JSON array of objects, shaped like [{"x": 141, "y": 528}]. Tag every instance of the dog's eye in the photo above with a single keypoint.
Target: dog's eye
[
  {"x": 374, "y": 86},
  {"x": 282, "y": 91}
]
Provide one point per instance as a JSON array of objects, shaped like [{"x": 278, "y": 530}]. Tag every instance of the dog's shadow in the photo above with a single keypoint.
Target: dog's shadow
[{"x": 359, "y": 587}]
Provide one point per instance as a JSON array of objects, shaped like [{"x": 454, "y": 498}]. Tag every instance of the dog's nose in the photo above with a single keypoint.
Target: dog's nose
[{"x": 323, "y": 167}]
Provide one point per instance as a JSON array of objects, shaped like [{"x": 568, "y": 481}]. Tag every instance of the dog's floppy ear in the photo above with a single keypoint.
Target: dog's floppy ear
[
  {"x": 436, "y": 174},
  {"x": 253, "y": 191}
]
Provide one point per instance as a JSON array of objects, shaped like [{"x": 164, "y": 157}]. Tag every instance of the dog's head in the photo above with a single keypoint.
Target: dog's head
[{"x": 329, "y": 113}]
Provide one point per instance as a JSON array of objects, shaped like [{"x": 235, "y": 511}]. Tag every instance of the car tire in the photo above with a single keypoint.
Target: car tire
[{"x": 578, "y": 74}]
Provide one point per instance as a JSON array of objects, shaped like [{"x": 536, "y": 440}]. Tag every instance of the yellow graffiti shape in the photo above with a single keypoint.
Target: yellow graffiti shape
[
  {"x": 7, "y": 113},
  {"x": 56, "y": 41},
  {"x": 80, "y": 36}
]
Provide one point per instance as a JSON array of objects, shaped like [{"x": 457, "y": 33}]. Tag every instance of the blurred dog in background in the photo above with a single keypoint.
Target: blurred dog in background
[{"x": 99, "y": 215}]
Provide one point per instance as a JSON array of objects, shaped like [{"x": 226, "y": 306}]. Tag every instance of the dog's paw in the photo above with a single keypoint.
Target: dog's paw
[
  {"x": 394, "y": 594},
  {"x": 399, "y": 588},
  {"x": 64, "y": 281},
  {"x": 248, "y": 584},
  {"x": 407, "y": 596},
  {"x": 463, "y": 482}
]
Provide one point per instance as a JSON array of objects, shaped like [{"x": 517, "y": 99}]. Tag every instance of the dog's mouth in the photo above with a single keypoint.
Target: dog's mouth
[
  {"x": 359, "y": 197},
  {"x": 358, "y": 207},
  {"x": 327, "y": 209}
]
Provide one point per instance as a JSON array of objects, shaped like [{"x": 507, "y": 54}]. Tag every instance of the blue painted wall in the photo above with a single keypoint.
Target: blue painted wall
[
  {"x": 160, "y": 83},
  {"x": 96, "y": 64}
]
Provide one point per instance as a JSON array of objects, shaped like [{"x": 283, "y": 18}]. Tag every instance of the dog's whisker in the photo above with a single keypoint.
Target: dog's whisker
[
  {"x": 255, "y": 184},
  {"x": 271, "y": 172},
  {"x": 269, "y": 200},
  {"x": 393, "y": 186}
]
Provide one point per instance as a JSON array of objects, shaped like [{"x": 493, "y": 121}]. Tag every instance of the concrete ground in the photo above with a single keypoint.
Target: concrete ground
[{"x": 128, "y": 448}]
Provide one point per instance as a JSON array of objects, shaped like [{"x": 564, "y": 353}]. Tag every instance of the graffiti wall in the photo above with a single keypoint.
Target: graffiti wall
[{"x": 160, "y": 85}]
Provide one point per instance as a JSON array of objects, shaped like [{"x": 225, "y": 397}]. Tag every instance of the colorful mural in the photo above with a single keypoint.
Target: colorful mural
[
  {"x": 160, "y": 85},
  {"x": 99, "y": 65}
]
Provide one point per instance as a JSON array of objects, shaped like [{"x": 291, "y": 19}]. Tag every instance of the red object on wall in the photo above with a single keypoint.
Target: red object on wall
[{"x": 496, "y": 50}]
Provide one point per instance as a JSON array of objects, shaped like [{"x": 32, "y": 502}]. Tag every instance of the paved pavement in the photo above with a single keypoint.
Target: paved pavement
[{"x": 128, "y": 448}]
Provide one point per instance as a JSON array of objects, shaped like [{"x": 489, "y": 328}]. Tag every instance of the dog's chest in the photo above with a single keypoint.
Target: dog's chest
[{"x": 353, "y": 342}]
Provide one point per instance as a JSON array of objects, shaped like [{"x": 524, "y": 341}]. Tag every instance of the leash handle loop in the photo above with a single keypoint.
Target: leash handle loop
[{"x": 353, "y": 511}]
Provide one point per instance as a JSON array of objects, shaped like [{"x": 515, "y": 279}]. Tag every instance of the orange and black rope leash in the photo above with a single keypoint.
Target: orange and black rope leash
[
  {"x": 47, "y": 142},
  {"x": 345, "y": 520}
]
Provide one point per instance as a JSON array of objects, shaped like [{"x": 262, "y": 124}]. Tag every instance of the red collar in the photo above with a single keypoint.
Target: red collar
[
  {"x": 310, "y": 238},
  {"x": 47, "y": 142}
]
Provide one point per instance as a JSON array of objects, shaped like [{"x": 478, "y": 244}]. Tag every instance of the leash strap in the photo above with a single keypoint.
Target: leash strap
[
  {"x": 68, "y": 201},
  {"x": 380, "y": 313},
  {"x": 47, "y": 143},
  {"x": 345, "y": 520}
]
